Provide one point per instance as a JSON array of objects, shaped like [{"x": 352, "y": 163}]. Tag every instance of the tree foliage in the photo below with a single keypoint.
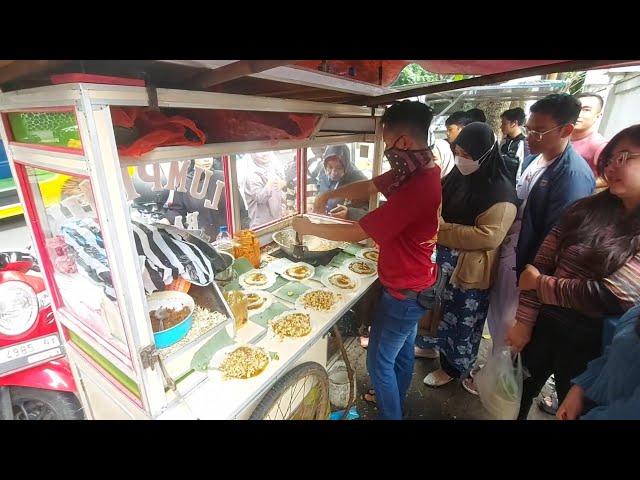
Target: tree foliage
[
  {"x": 575, "y": 82},
  {"x": 414, "y": 74}
]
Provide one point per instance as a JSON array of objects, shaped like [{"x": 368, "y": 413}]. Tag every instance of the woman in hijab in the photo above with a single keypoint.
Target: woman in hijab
[
  {"x": 338, "y": 171},
  {"x": 478, "y": 207},
  {"x": 263, "y": 190}
]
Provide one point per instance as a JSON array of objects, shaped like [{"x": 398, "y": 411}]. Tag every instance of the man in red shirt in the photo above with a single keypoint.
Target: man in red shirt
[
  {"x": 406, "y": 229},
  {"x": 585, "y": 139}
]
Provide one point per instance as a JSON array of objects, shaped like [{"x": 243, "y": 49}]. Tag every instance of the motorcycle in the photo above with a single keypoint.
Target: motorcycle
[{"x": 36, "y": 382}]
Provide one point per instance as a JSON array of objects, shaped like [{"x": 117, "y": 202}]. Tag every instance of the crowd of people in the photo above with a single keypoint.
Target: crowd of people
[{"x": 538, "y": 235}]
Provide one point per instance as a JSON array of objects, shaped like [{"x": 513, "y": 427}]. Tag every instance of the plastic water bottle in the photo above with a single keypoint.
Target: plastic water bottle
[
  {"x": 224, "y": 234},
  {"x": 224, "y": 241}
]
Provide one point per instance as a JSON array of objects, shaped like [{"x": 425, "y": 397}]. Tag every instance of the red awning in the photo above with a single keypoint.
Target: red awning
[{"x": 369, "y": 71}]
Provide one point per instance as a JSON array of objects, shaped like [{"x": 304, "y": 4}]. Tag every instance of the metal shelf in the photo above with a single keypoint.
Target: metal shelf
[
  {"x": 170, "y": 154},
  {"x": 171, "y": 98},
  {"x": 50, "y": 159}
]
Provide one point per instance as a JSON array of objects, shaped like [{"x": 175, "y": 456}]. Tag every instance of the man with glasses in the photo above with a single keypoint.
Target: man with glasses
[{"x": 552, "y": 178}]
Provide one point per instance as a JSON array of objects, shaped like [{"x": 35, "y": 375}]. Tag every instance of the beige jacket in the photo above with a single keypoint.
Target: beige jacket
[{"x": 478, "y": 245}]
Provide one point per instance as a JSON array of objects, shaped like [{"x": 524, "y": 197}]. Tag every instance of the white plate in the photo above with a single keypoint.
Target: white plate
[
  {"x": 352, "y": 276},
  {"x": 219, "y": 356},
  {"x": 299, "y": 305},
  {"x": 361, "y": 253},
  {"x": 272, "y": 334},
  {"x": 284, "y": 274},
  {"x": 266, "y": 295},
  {"x": 345, "y": 268},
  {"x": 271, "y": 279}
]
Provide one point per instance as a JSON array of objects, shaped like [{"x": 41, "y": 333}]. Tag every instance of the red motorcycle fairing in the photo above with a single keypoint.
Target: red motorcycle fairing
[{"x": 54, "y": 375}]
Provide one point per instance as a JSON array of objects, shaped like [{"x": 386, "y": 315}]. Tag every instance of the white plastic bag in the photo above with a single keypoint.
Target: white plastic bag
[{"x": 499, "y": 385}]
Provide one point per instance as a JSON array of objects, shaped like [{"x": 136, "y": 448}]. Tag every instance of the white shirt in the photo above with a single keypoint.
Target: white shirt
[{"x": 524, "y": 185}]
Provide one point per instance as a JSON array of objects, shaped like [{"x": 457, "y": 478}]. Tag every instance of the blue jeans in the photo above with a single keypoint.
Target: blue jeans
[{"x": 390, "y": 355}]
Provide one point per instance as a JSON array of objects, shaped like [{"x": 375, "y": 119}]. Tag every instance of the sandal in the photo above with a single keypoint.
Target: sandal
[
  {"x": 372, "y": 397},
  {"x": 430, "y": 381},
  {"x": 475, "y": 370},
  {"x": 470, "y": 386}
]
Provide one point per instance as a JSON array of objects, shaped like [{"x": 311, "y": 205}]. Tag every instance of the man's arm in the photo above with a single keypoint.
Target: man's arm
[
  {"x": 355, "y": 191},
  {"x": 339, "y": 233}
]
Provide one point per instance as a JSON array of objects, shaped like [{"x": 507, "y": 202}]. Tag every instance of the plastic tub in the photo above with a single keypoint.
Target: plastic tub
[
  {"x": 339, "y": 385},
  {"x": 171, "y": 299}
]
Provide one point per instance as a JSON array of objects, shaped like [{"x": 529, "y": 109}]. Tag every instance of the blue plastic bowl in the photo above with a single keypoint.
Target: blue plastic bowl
[{"x": 176, "y": 300}]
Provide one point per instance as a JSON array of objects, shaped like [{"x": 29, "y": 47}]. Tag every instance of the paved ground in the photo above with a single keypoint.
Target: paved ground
[{"x": 450, "y": 402}]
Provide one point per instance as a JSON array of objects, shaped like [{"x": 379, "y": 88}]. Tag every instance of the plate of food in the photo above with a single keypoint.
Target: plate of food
[
  {"x": 370, "y": 254},
  {"x": 240, "y": 361},
  {"x": 298, "y": 271},
  {"x": 257, "y": 279},
  {"x": 319, "y": 300},
  {"x": 362, "y": 268},
  {"x": 341, "y": 282},
  {"x": 258, "y": 301},
  {"x": 291, "y": 324}
]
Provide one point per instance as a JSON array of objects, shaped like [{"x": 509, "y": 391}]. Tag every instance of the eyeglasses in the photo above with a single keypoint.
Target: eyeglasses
[
  {"x": 538, "y": 135},
  {"x": 620, "y": 159}
]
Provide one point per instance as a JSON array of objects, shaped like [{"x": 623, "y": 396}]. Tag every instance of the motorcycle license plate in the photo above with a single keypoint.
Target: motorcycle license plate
[{"x": 34, "y": 351}]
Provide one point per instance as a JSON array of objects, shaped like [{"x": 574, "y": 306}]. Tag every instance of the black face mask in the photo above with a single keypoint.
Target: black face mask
[{"x": 405, "y": 162}]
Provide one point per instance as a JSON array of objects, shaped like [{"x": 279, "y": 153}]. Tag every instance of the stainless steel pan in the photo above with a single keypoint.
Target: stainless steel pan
[{"x": 315, "y": 247}]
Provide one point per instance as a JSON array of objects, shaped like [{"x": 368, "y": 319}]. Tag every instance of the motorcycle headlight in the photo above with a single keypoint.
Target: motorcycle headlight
[{"x": 18, "y": 307}]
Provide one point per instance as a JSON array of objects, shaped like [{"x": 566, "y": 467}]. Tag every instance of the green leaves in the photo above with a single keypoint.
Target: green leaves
[{"x": 201, "y": 359}]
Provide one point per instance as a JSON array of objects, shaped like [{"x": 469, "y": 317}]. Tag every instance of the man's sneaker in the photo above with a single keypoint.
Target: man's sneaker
[{"x": 425, "y": 353}]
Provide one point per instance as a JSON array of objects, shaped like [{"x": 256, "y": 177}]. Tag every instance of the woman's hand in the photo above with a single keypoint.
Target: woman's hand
[
  {"x": 528, "y": 278},
  {"x": 339, "y": 212},
  {"x": 573, "y": 404},
  {"x": 276, "y": 184},
  {"x": 518, "y": 336}
]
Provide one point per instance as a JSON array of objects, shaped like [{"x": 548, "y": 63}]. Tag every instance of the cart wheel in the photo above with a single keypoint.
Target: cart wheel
[{"x": 302, "y": 394}]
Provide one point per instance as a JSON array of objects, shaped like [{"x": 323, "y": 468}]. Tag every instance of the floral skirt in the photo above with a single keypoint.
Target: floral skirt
[{"x": 463, "y": 315}]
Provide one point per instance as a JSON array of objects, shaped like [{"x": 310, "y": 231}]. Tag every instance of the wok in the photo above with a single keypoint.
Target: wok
[{"x": 316, "y": 247}]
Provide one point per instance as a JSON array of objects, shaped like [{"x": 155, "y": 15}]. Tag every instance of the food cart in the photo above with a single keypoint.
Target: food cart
[
  {"x": 99, "y": 262},
  {"x": 102, "y": 307}
]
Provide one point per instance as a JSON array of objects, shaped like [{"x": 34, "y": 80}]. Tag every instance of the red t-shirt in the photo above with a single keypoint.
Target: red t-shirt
[
  {"x": 406, "y": 229},
  {"x": 589, "y": 148}
]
